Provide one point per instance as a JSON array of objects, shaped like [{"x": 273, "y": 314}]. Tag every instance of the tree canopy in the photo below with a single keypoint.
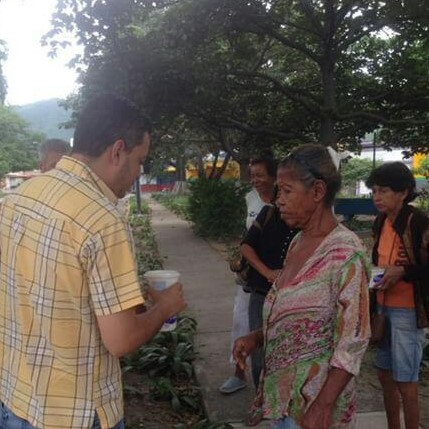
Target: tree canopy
[
  {"x": 18, "y": 145},
  {"x": 249, "y": 74},
  {"x": 3, "y": 85}
]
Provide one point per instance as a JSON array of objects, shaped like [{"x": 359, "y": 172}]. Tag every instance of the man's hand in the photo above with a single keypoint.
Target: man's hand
[
  {"x": 125, "y": 331},
  {"x": 171, "y": 301}
]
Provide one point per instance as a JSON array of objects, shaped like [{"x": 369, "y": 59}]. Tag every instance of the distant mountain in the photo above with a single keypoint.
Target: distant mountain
[{"x": 46, "y": 117}]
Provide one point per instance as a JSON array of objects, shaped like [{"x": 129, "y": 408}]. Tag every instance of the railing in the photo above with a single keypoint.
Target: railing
[{"x": 348, "y": 207}]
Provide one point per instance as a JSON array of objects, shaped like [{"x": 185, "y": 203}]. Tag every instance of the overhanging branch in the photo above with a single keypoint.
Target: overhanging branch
[
  {"x": 294, "y": 94},
  {"x": 381, "y": 119}
]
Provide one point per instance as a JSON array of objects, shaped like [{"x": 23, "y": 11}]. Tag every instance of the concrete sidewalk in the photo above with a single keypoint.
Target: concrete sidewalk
[{"x": 210, "y": 291}]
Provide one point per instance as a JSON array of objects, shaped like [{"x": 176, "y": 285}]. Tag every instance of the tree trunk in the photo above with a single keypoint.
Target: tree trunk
[
  {"x": 200, "y": 166},
  {"x": 180, "y": 166},
  {"x": 222, "y": 169},
  {"x": 327, "y": 122},
  {"x": 244, "y": 170},
  {"x": 213, "y": 171},
  {"x": 327, "y": 67}
]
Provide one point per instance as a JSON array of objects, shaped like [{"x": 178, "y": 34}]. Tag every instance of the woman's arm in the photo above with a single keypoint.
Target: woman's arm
[
  {"x": 319, "y": 415},
  {"x": 352, "y": 324},
  {"x": 252, "y": 257},
  {"x": 351, "y": 337}
]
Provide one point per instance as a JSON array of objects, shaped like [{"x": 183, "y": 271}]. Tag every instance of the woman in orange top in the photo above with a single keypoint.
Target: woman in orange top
[{"x": 401, "y": 247}]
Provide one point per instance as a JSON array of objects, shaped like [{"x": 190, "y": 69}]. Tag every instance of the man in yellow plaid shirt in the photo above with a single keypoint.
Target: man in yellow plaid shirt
[{"x": 68, "y": 280}]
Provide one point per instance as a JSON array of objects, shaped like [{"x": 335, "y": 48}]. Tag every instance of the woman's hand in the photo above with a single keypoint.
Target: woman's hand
[
  {"x": 271, "y": 275},
  {"x": 244, "y": 346},
  {"x": 391, "y": 276},
  {"x": 318, "y": 416}
]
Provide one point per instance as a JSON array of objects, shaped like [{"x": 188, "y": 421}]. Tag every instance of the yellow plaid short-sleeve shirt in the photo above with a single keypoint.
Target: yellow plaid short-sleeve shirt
[{"x": 66, "y": 256}]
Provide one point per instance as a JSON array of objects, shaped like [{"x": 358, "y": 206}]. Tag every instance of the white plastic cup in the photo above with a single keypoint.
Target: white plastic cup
[
  {"x": 377, "y": 274},
  {"x": 160, "y": 280}
]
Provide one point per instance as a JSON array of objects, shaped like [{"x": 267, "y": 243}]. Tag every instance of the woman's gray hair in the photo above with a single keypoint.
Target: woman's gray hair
[{"x": 311, "y": 162}]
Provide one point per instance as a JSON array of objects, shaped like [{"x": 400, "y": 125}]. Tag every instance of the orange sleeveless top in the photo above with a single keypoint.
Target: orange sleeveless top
[{"x": 391, "y": 252}]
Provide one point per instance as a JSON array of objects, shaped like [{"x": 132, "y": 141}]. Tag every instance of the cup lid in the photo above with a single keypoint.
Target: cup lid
[{"x": 162, "y": 274}]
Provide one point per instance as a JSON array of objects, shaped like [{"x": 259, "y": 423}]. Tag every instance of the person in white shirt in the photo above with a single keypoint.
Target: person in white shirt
[{"x": 262, "y": 172}]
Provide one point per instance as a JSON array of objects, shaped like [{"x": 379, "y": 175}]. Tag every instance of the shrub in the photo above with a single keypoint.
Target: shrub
[
  {"x": 423, "y": 200},
  {"x": 217, "y": 207},
  {"x": 146, "y": 248}
]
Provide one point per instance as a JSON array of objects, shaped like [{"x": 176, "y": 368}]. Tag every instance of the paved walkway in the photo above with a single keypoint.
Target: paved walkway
[{"x": 210, "y": 290}]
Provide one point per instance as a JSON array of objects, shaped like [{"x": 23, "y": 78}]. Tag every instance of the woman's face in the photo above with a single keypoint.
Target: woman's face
[
  {"x": 388, "y": 201},
  {"x": 260, "y": 179},
  {"x": 296, "y": 202}
]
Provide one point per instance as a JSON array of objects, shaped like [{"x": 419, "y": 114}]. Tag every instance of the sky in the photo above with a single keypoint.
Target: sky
[{"x": 31, "y": 75}]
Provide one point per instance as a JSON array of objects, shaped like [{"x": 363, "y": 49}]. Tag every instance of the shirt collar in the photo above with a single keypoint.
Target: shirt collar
[{"x": 79, "y": 168}]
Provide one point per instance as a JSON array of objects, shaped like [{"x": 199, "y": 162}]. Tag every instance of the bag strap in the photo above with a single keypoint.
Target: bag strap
[{"x": 268, "y": 216}]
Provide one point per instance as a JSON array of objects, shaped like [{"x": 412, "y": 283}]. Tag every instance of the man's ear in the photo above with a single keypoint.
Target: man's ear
[
  {"x": 320, "y": 190},
  {"x": 117, "y": 151}
]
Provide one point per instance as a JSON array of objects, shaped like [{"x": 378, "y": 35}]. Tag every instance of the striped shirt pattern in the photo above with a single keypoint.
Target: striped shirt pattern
[{"x": 67, "y": 255}]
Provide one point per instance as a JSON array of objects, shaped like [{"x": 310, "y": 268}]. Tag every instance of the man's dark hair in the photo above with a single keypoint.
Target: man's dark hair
[
  {"x": 53, "y": 145},
  {"x": 396, "y": 176},
  {"x": 106, "y": 119}
]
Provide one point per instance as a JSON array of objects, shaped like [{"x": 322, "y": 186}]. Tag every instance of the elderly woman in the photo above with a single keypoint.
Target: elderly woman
[
  {"x": 401, "y": 247},
  {"x": 316, "y": 318}
]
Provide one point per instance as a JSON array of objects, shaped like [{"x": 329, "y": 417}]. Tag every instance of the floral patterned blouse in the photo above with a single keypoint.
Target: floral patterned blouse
[{"x": 318, "y": 320}]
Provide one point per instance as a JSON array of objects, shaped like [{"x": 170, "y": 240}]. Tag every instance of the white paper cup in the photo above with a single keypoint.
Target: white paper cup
[
  {"x": 376, "y": 275},
  {"x": 160, "y": 280}
]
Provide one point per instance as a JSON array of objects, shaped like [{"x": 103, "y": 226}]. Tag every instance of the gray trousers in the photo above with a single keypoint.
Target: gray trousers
[{"x": 256, "y": 304}]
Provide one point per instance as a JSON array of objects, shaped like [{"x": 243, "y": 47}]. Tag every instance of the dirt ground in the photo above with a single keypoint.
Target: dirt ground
[
  {"x": 370, "y": 396},
  {"x": 143, "y": 412}
]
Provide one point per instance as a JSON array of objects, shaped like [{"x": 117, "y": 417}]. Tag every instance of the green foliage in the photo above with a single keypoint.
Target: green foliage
[
  {"x": 353, "y": 171},
  {"x": 217, "y": 207},
  {"x": 162, "y": 389},
  {"x": 178, "y": 204},
  {"x": 167, "y": 359},
  {"x": 3, "y": 83},
  {"x": 18, "y": 145},
  {"x": 423, "y": 168},
  {"x": 326, "y": 70},
  {"x": 147, "y": 251},
  {"x": 168, "y": 354},
  {"x": 423, "y": 200}
]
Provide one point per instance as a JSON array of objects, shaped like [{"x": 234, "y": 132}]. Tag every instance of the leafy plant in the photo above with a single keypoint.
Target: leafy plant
[
  {"x": 180, "y": 398},
  {"x": 168, "y": 354},
  {"x": 217, "y": 207},
  {"x": 147, "y": 251}
]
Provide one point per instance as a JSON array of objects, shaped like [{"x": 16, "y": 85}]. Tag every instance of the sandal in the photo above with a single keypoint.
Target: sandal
[{"x": 232, "y": 385}]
